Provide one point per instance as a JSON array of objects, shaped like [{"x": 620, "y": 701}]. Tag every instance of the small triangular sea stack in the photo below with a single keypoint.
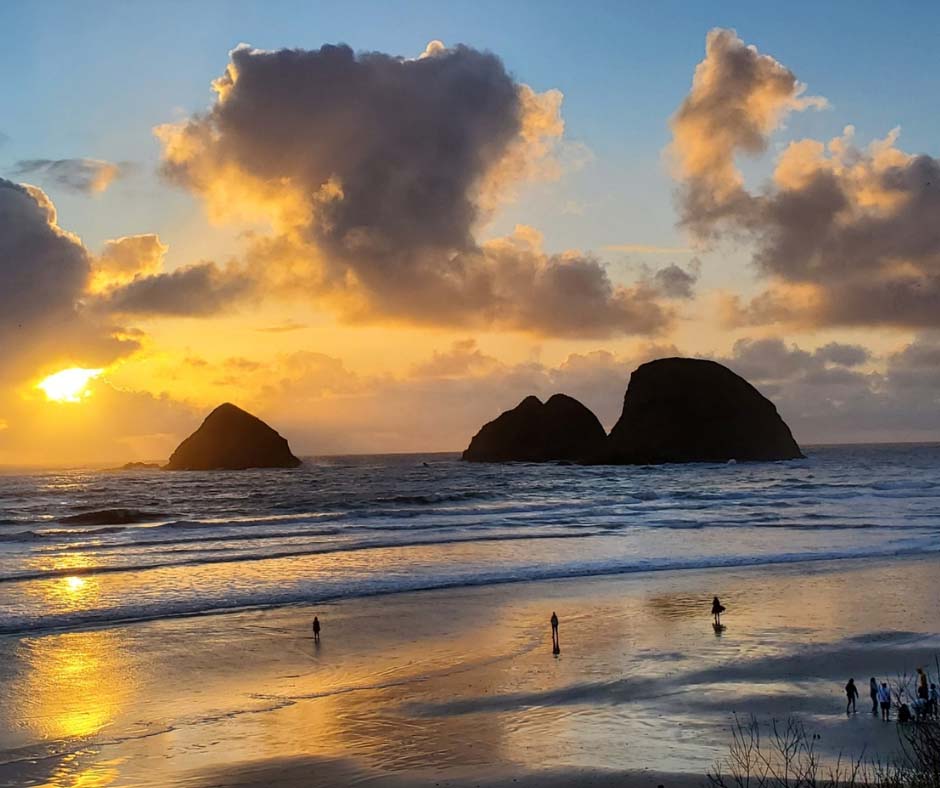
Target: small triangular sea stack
[
  {"x": 560, "y": 429},
  {"x": 693, "y": 410},
  {"x": 232, "y": 439}
]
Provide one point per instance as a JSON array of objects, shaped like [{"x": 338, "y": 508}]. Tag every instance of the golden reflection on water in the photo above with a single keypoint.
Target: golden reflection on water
[
  {"x": 62, "y": 561},
  {"x": 67, "y": 593}
]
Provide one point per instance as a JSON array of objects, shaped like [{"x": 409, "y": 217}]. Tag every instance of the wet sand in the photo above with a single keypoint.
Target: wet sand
[{"x": 460, "y": 687}]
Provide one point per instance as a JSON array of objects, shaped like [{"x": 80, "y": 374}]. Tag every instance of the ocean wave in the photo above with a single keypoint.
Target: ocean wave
[
  {"x": 32, "y": 536},
  {"x": 103, "y": 569},
  {"x": 435, "y": 498},
  {"x": 592, "y": 519},
  {"x": 334, "y": 591}
]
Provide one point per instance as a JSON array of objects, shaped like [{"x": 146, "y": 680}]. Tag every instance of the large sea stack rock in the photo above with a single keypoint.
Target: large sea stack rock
[
  {"x": 231, "y": 439},
  {"x": 560, "y": 429},
  {"x": 692, "y": 410}
]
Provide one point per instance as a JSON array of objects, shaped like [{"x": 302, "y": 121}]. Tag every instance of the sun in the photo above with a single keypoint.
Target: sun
[{"x": 69, "y": 385}]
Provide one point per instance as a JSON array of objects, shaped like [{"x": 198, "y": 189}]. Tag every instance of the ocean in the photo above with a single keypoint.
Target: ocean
[{"x": 346, "y": 527}]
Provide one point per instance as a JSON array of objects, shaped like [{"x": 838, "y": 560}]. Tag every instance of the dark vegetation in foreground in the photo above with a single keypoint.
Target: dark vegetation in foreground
[{"x": 784, "y": 755}]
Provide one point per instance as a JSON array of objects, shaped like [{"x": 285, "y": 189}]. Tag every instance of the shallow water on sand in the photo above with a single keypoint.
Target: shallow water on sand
[{"x": 462, "y": 683}]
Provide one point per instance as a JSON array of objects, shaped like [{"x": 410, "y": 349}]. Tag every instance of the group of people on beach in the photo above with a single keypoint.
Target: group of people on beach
[{"x": 925, "y": 706}]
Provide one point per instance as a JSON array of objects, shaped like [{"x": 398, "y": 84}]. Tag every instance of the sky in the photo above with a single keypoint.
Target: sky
[{"x": 378, "y": 225}]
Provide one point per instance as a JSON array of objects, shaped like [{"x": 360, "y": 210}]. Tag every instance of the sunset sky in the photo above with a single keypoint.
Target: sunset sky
[{"x": 377, "y": 225}]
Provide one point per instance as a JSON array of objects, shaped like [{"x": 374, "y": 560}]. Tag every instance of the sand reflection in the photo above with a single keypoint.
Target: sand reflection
[
  {"x": 72, "y": 684},
  {"x": 97, "y": 776}
]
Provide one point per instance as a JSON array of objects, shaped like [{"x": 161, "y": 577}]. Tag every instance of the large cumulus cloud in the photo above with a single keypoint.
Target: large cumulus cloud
[
  {"x": 44, "y": 274},
  {"x": 377, "y": 172},
  {"x": 738, "y": 97},
  {"x": 61, "y": 305},
  {"x": 848, "y": 235}
]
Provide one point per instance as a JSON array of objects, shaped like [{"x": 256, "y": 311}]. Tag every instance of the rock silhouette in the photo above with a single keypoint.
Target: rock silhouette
[
  {"x": 693, "y": 410},
  {"x": 232, "y": 439},
  {"x": 560, "y": 429},
  {"x": 109, "y": 517}
]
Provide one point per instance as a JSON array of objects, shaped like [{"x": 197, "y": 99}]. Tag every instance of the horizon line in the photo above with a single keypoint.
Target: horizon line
[{"x": 115, "y": 464}]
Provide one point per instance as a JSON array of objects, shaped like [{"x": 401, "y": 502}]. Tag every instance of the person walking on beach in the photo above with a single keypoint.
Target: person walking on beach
[
  {"x": 316, "y": 629},
  {"x": 717, "y": 610},
  {"x": 884, "y": 700},
  {"x": 873, "y": 691},
  {"x": 933, "y": 701},
  {"x": 851, "y": 692},
  {"x": 556, "y": 648}
]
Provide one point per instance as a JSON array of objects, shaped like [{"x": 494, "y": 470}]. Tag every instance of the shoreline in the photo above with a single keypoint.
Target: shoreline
[
  {"x": 794, "y": 560},
  {"x": 458, "y": 687}
]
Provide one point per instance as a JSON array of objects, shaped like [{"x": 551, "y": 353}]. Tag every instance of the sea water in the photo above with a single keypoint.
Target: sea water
[{"x": 341, "y": 527}]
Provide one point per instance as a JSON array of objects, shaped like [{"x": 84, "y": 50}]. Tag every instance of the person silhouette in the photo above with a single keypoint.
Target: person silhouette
[
  {"x": 884, "y": 700},
  {"x": 556, "y": 647},
  {"x": 316, "y": 629},
  {"x": 851, "y": 693},
  {"x": 873, "y": 691},
  {"x": 717, "y": 610}
]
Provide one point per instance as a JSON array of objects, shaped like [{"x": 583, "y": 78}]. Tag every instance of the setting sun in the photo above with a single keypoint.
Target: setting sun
[{"x": 69, "y": 385}]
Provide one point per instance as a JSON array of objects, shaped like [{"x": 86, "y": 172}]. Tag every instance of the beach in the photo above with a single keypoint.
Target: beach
[
  {"x": 466, "y": 395},
  {"x": 459, "y": 686}
]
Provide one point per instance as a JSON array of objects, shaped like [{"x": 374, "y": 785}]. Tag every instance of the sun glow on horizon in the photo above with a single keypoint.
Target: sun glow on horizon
[{"x": 69, "y": 385}]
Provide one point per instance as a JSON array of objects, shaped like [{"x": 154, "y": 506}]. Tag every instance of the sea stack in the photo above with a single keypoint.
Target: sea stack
[
  {"x": 692, "y": 410},
  {"x": 558, "y": 430},
  {"x": 232, "y": 439}
]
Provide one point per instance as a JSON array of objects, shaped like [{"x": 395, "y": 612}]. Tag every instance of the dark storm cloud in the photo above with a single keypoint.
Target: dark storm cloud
[
  {"x": 88, "y": 176},
  {"x": 378, "y": 171},
  {"x": 848, "y": 236},
  {"x": 196, "y": 290},
  {"x": 43, "y": 274}
]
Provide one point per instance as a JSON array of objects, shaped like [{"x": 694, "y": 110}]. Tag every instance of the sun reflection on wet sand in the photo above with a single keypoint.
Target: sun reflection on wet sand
[
  {"x": 73, "y": 684},
  {"x": 458, "y": 682},
  {"x": 97, "y": 776}
]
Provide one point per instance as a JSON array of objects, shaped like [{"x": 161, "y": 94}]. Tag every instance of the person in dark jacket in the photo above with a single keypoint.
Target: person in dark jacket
[
  {"x": 556, "y": 648},
  {"x": 316, "y": 629},
  {"x": 851, "y": 692}
]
